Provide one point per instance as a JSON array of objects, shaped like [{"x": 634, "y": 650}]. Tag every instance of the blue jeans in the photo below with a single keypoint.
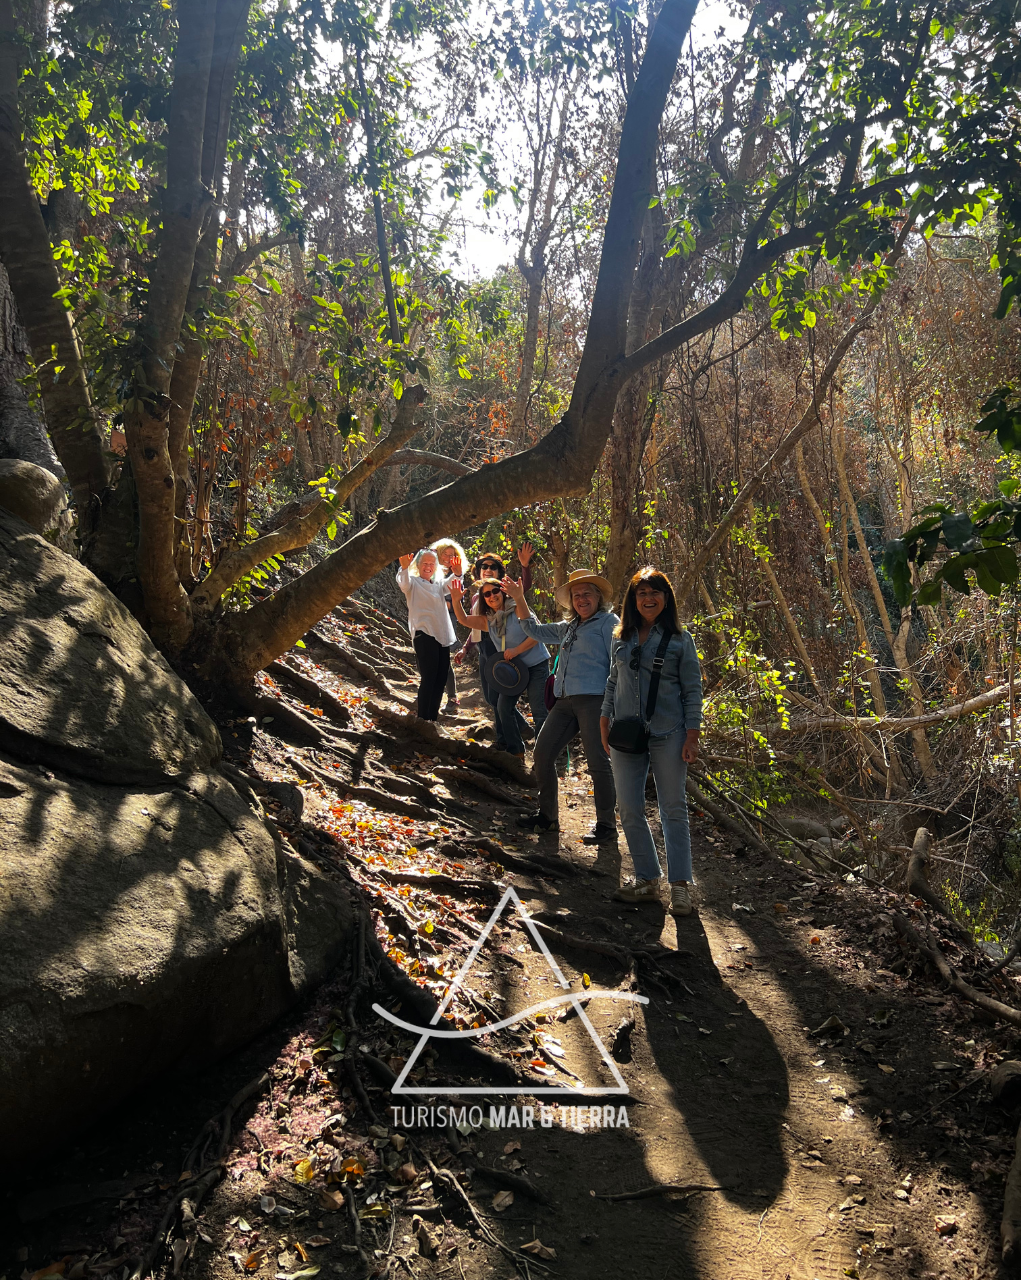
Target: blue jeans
[
  {"x": 508, "y": 715},
  {"x": 491, "y": 696},
  {"x": 669, "y": 771}
]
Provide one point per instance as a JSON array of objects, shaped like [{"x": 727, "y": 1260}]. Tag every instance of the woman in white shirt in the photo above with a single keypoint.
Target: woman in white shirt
[{"x": 432, "y": 633}]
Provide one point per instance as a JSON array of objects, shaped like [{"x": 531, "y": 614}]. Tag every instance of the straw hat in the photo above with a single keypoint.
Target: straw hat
[{"x": 563, "y": 593}]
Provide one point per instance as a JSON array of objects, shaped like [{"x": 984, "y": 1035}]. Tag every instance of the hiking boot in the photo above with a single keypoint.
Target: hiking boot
[
  {"x": 640, "y": 891},
  {"x": 600, "y": 834},
  {"x": 538, "y": 822},
  {"x": 680, "y": 899}
]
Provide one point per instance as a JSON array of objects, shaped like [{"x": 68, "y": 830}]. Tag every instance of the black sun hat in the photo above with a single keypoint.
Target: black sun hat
[{"x": 506, "y": 675}]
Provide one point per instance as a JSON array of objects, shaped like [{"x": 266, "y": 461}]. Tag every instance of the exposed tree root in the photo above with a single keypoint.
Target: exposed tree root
[
  {"x": 1011, "y": 955},
  {"x": 419, "y": 1003},
  {"x": 371, "y": 795},
  {"x": 190, "y": 1194},
  {"x": 531, "y": 861},
  {"x": 283, "y": 717},
  {"x": 428, "y": 732},
  {"x": 918, "y": 884},
  {"x": 950, "y": 976},
  {"x": 363, "y": 612},
  {"x": 504, "y": 1178},
  {"x": 331, "y": 650},
  {"x": 471, "y": 778},
  {"x": 444, "y": 884},
  {"x": 313, "y": 691},
  {"x": 615, "y": 952}
]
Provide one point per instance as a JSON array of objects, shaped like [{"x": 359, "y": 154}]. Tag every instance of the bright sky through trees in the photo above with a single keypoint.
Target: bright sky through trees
[{"x": 480, "y": 241}]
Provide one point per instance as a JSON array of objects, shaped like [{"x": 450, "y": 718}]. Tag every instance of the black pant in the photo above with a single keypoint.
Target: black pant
[{"x": 433, "y": 664}]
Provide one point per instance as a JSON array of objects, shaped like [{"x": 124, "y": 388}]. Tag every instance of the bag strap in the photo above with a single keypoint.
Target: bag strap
[{"x": 657, "y": 671}]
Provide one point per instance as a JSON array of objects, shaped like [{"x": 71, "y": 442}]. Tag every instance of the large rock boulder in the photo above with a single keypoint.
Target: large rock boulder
[
  {"x": 33, "y": 493},
  {"x": 81, "y": 685},
  {"x": 147, "y": 923}
]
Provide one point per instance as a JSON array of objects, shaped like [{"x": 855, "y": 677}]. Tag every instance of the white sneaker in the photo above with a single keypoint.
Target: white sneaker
[
  {"x": 680, "y": 899},
  {"x": 640, "y": 891}
]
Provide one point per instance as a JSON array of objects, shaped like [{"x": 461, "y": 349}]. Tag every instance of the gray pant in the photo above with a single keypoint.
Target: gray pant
[{"x": 570, "y": 715}]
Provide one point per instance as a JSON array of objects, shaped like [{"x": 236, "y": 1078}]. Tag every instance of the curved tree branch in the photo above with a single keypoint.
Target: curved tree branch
[
  {"x": 423, "y": 458},
  {"x": 301, "y": 529}
]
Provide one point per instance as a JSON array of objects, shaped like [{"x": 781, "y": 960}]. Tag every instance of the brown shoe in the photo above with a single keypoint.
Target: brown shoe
[
  {"x": 640, "y": 891},
  {"x": 680, "y": 899}
]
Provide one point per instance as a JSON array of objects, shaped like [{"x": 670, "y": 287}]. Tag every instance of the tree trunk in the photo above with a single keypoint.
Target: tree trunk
[
  {"x": 561, "y": 463},
  {"x": 26, "y": 252},
  {"x": 22, "y": 435}
]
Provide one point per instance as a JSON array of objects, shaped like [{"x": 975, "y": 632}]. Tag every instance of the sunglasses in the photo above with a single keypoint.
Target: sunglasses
[
  {"x": 490, "y": 564},
  {"x": 636, "y": 660},
  {"x": 488, "y": 595}
]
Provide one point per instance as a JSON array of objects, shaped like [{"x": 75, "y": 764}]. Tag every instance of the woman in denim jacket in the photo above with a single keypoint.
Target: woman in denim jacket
[
  {"x": 649, "y": 611},
  {"x": 585, "y": 637}
]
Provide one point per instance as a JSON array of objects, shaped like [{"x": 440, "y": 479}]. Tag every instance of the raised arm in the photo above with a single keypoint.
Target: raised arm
[
  {"x": 516, "y": 591},
  {"x": 476, "y": 621},
  {"x": 403, "y": 576}
]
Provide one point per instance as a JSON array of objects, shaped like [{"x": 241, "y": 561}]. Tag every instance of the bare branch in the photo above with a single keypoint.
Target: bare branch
[
  {"x": 423, "y": 458},
  {"x": 299, "y": 531}
]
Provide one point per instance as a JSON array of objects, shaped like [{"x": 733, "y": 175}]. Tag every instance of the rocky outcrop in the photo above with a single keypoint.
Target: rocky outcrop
[
  {"x": 82, "y": 687},
  {"x": 34, "y": 494},
  {"x": 148, "y": 915}
]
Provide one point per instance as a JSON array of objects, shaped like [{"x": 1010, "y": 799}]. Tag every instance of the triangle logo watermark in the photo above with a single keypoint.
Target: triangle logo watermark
[{"x": 572, "y": 998}]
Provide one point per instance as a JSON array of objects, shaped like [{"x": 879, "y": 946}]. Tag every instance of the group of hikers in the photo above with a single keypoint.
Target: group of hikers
[{"x": 630, "y": 685}]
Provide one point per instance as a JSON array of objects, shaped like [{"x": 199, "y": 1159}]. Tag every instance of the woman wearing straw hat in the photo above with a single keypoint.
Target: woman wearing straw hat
[
  {"x": 518, "y": 666},
  {"x": 651, "y": 716},
  {"x": 585, "y": 636}
]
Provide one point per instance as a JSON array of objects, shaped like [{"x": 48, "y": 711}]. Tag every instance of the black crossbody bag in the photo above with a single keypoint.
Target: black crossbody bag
[{"x": 631, "y": 735}]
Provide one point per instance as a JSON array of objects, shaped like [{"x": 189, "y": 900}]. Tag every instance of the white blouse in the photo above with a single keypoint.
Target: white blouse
[{"x": 427, "y": 607}]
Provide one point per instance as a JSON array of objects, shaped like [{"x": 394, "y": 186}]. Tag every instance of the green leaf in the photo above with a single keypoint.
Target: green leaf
[
  {"x": 930, "y": 592},
  {"x": 895, "y": 564},
  {"x": 958, "y": 530},
  {"x": 953, "y": 575}
]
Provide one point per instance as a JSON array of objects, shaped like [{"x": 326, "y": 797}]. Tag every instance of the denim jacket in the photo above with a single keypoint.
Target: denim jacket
[
  {"x": 679, "y": 701},
  {"x": 584, "y": 661}
]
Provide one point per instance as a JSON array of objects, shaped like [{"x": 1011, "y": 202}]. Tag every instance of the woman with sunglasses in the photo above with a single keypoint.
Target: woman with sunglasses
[
  {"x": 492, "y": 568},
  {"x": 499, "y": 621},
  {"x": 649, "y": 639},
  {"x": 432, "y": 633},
  {"x": 586, "y": 641}
]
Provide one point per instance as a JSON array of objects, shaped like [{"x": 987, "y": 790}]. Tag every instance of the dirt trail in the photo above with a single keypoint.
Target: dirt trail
[{"x": 819, "y": 1149}]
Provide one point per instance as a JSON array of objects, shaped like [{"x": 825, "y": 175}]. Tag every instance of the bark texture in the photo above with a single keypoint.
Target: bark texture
[{"x": 26, "y": 253}]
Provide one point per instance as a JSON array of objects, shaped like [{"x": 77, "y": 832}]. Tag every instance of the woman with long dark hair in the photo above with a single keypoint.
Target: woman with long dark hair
[
  {"x": 491, "y": 567},
  {"x": 650, "y": 718},
  {"x": 499, "y": 620}
]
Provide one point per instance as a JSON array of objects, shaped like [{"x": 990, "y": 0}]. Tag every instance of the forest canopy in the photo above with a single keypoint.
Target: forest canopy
[{"x": 230, "y": 235}]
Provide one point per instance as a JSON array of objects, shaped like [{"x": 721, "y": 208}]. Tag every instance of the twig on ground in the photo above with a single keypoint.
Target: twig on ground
[
  {"x": 979, "y": 1075},
  {"x": 662, "y": 1189},
  {"x": 953, "y": 980},
  {"x": 356, "y": 1225}
]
